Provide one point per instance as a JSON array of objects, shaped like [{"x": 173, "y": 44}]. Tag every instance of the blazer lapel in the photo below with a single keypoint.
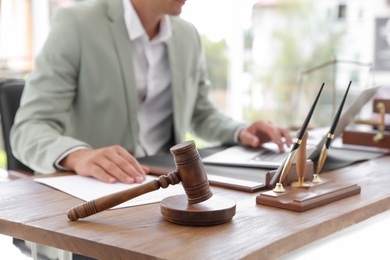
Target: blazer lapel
[
  {"x": 177, "y": 90},
  {"x": 123, "y": 47}
]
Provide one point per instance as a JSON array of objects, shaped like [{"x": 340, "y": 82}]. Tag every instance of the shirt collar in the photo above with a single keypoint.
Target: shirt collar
[{"x": 135, "y": 28}]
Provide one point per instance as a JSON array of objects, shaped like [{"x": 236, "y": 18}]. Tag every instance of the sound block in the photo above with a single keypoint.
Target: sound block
[
  {"x": 297, "y": 199},
  {"x": 214, "y": 211}
]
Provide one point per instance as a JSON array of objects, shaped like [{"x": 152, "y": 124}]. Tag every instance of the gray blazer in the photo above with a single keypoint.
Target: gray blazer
[{"x": 82, "y": 90}]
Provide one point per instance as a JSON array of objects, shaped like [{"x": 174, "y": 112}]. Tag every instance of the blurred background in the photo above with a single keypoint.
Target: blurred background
[{"x": 266, "y": 59}]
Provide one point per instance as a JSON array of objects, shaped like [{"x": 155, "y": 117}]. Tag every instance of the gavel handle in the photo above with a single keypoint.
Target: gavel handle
[{"x": 103, "y": 203}]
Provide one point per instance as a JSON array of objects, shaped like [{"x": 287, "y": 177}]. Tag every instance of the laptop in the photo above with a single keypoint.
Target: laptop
[{"x": 268, "y": 156}]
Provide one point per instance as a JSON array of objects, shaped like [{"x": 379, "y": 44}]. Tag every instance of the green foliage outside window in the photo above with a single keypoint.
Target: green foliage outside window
[
  {"x": 3, "y": 159},
  {"x": 304, "y": 41},
  {"x": 217, "y": 62}
]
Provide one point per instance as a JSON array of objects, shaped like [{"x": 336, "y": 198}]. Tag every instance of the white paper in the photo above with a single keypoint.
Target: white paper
[{"x": 88, "y": 188}]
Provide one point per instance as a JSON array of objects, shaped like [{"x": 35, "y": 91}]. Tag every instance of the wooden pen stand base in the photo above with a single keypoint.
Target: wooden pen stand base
[{"x": 301, "y": 199}]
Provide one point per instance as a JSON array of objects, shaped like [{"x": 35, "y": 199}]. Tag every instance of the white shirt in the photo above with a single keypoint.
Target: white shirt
[{"x": 153, "y": 81}]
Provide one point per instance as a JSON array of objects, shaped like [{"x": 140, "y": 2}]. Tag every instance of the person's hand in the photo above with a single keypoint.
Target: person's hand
[
  {"x": 262, "y": 131},
  {"x": 109, "y": 164}
]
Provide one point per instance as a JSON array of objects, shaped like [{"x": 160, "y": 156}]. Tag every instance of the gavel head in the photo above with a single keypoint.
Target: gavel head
[{"x": 191, "y": 171}]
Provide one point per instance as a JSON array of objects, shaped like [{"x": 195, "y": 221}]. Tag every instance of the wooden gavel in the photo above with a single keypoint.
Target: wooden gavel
[{"x": 189, "y": 171}]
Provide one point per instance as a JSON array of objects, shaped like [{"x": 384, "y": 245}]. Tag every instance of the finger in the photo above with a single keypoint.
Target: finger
[
  {"x": 98, "y": 173},
  {"x": 130, "y": 158},
  {"x": 277, "y": 139},
  {"x": 129, "y": 170},
  {"x": 247, "y": 138},
  {"x": 276, "y": 136},
  {"x": 286, "y": 134},
  {"x": 132, "y": 168},
  {"x": 113, "y": 167}
]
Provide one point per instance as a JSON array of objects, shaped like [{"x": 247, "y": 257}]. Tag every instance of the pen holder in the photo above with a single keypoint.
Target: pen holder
[
  {"x": 301, "y": 195},
  {"x": 298, "y": 195},
  {"x": 304, "y": 198}
]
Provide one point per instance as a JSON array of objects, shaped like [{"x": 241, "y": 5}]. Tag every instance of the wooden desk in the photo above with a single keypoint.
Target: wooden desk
[{"x": 35, "y": 212}]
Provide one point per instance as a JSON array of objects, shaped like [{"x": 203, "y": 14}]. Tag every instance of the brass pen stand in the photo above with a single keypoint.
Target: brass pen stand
[
  {"x": 371, "y": 132},
  {"x": 305, "y": 193}
]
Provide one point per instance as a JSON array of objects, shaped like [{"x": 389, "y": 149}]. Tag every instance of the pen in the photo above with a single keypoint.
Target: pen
[
  {"x": 294, "y": 148},
  {"x": 330, "y": 136}
]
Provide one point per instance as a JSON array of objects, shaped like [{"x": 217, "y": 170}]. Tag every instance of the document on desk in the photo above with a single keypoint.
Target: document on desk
[{"x": 87, "y": 188}]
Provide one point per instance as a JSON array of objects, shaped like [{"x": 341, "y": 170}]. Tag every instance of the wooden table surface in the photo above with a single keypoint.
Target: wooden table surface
[{"x": 37, "y": 213}]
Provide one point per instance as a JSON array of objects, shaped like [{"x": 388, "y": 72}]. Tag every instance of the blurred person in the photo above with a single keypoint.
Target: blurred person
[{"x": 116, "y": 80}]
